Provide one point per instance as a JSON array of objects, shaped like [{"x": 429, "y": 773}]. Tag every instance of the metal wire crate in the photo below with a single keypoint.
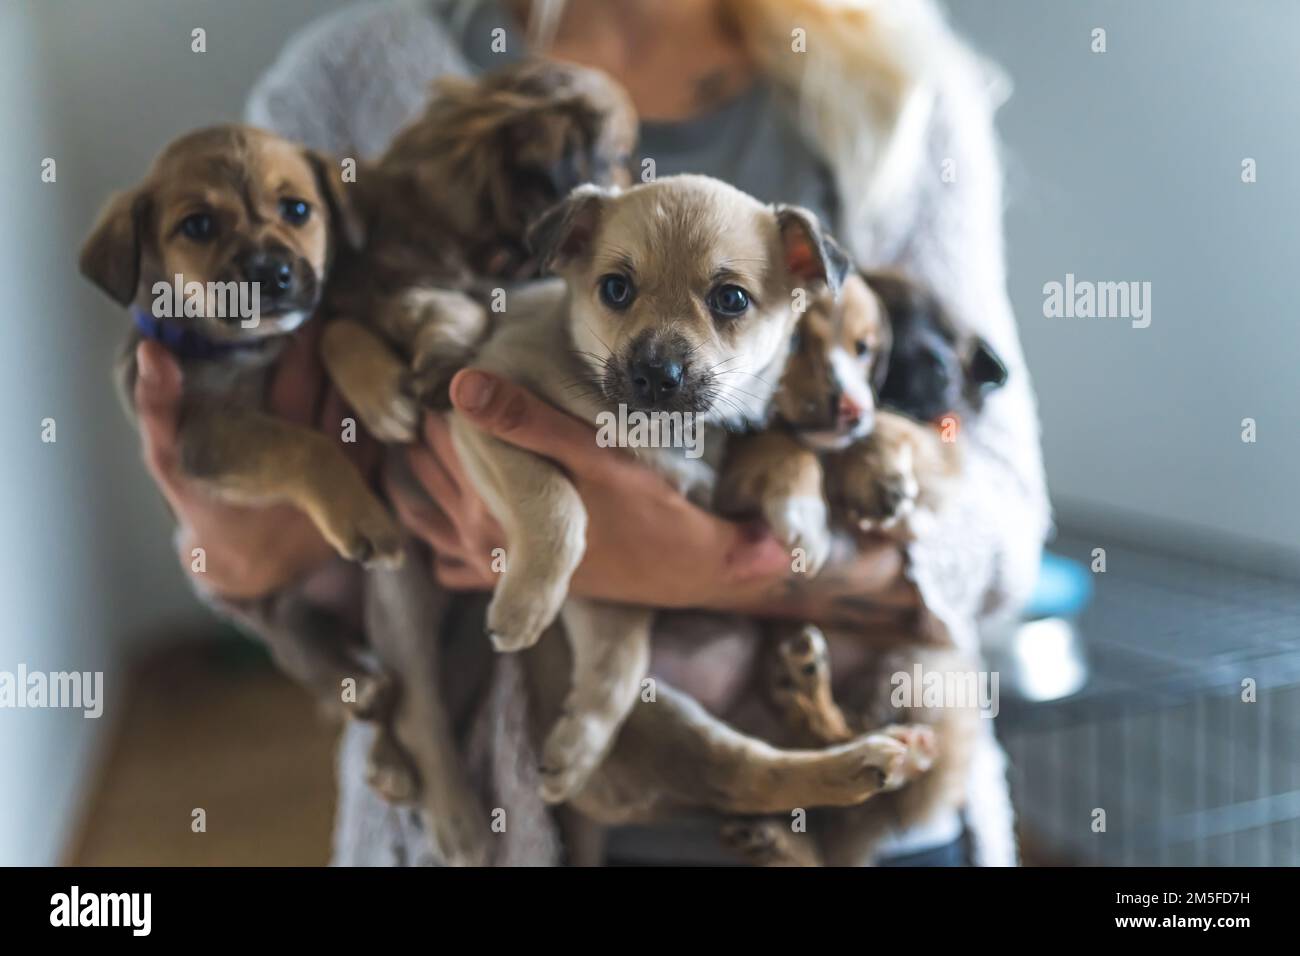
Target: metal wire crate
[{"x": 1160, "y": 737}]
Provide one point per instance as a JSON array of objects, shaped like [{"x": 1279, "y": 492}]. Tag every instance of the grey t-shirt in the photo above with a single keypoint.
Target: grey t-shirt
[{"x": 746, "y": 142}]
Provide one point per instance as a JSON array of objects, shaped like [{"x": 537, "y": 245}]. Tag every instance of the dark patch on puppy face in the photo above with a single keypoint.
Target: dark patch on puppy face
[{"x": 932, "y": 370}]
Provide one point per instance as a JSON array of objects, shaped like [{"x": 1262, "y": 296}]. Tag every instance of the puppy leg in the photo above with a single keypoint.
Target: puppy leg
[
  {"x": 611, "y": 653},
  {"x": 799, "y": 683},
  {"x": 546, "y": 530},
  {"x": 403, "y": 613},
  {"x": 373, "y": 380},
  {"x": 440, "y": 329},
  {"x": 771, "y": 474},
  {"x": 672, "y": 755},
  {"x": 316, "y": 648},
  {"x": 249, "y": 457},
  {"x": 880, "y": 481}
]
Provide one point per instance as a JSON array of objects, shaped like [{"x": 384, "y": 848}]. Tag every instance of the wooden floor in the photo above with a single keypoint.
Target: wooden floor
[{"x": 213, "y": 726}]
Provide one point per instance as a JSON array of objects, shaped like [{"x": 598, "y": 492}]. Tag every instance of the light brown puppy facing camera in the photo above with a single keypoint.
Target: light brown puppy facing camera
[
  {"x": 678, "y": 300},
  {"x": 683, "y": 296}
]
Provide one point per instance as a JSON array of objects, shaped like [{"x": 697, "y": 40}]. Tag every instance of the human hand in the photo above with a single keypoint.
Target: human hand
[
  {"x": 248, "y": 551},
  {"x": 646, "y": 544}
]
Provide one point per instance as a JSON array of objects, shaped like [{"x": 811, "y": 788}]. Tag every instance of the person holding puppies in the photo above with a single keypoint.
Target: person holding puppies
[{"x": 851, "y": 109}]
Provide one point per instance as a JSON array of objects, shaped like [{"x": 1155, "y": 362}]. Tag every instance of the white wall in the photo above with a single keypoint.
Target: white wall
[
  {"x": 86, "y": 568},
  {"x": 1126, "y": 165}
]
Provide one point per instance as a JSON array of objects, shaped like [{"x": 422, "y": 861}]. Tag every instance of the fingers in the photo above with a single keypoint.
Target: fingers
[
  {"x": 458, "y": 576},
  {"x": 428, "y": 470},
  {"x": 514, "y": 414},
  {"x": 437, "y": 436},
  {"x": 423, "y": 518},
  {"x": 157, "y": 403}
]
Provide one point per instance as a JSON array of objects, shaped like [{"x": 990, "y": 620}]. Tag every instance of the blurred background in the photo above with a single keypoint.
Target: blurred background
[{"x": 1122, "y": 166}]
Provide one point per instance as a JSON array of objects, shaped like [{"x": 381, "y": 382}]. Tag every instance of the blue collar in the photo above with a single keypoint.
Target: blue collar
[{"x": 186, "y": 342}]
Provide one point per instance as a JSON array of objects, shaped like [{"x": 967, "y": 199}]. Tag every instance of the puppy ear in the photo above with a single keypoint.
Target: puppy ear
[
  {"x": 810, "y": 253},
  {"x": 110, "y": 257},
  {"x": 345, "y": 217},
  {"x": 565, "y": 231},
  {"x": 984, "y": 367}
]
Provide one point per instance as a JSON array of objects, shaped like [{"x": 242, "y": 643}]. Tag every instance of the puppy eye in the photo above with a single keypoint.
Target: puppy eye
[
  {"x": 796, "y": 341},
  {"x": 729, "y": 300},
  {"x": 616, "y": 291},
  {"x": 294, "y": 211},
  {"x": 861, "y": 347},
  {"x": 200, "y": 227}
]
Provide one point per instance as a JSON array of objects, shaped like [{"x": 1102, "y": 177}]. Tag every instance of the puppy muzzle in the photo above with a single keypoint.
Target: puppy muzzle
[{"x": 656, "y": 375}]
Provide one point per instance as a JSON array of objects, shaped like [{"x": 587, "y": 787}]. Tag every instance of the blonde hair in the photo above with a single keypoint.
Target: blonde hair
[
  {"x": 863, "y": 90},
  {"x": 860, "y": 78}
]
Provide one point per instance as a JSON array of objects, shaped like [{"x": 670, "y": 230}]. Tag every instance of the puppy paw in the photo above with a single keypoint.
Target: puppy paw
[
  {"x": 374, "y": 696},
  {"x": 364, "y": 532},
  {"x": 521, "y": 610},
  {"x": 375, "y": 382},
  {"x": 450, "y": 324},
  {"x": 801, "y": 522},
  {"x": 572, "y": 751},
  {"x": 804, "y": 666},
  {"x": 800, "y": 687},
  {"x": 458, "y": 826},
  {"x": 430, "y": 380},
  {"x": 389, "y": 770},
  {"x": 864, "y": 767},
  {"x": 879, "y": 488},
  {"x": 920, "y": 754},
  {"x": 390, "y": 409}
]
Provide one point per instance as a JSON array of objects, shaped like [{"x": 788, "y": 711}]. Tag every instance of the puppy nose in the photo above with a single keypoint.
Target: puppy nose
[
  {"x": 654, "y": 381},
  {"x": 273, "y": 273}
]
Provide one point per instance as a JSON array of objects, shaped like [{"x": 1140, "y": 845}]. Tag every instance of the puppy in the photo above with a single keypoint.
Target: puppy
[
  {"x": 831, "y": 461},
  {"x": 677, "y": 298},
  {"x": 445, "y": 210},
  {"x": 223, "y": 210},
  {"x": 931, "y": 371}
]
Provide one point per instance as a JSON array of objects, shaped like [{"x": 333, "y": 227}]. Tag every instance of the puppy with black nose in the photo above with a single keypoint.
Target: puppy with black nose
[
  {"x": 219, "y": 254},
  {"x": 678, "y": 298},
  {"x": 931, "y": 371}
]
